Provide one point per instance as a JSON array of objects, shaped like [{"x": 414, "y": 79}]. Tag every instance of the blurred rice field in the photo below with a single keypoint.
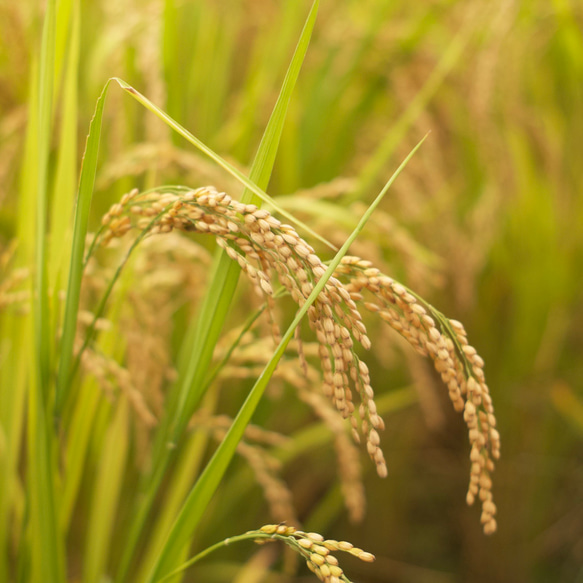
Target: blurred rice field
[{"x": 486, "y": 222}]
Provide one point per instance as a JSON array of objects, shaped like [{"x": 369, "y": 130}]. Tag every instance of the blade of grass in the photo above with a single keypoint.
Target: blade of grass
[
  {"x": 82, "y": 418},
  {"x": 63, "y": 30},
  {"x": 190, "y": 388},
  {"x": 17, "y": 375},
  {"x": 79, "y": 431},
  {"x": 188, "y": 466},
  {"x": 213, "y": 473},
  {"x": 46, "y": 543},
  {"x": 270, "y": 53},
  {"x": 221, "y": 290},
  {"x": 86, "y": 183},
  {"x": 66, "y": 173},
  {"x": 214, "y": 50},
  {"x": 45, "y": 104},
  {"x": 12, "y": 419},
  {"x": 247, "y": 182}
]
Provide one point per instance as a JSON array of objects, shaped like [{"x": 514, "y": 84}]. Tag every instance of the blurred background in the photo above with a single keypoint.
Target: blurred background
[{"x": 486, "y": 222}]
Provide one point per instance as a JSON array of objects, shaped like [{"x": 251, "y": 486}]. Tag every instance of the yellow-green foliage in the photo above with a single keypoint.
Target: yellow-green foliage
[{"x": 485, "y": 223}]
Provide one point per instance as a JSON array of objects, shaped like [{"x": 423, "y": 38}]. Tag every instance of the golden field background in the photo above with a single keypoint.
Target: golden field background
[{"x": 485, "y": 222}]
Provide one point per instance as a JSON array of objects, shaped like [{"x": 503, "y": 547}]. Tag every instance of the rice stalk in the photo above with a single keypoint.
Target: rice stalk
[
  {"x": 311, "y": 546},
  {"x": 202, "y": 339}
]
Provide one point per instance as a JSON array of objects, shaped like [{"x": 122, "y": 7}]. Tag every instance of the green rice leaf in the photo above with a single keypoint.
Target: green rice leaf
[
  {"x": 86, "y": 183},
  {"x": 47, "y": 548},
  {"x": 222, "y": 288},
  {"x": 106, "y": 494},
  {"x": 191, "y": 386},
  {"x": 66, "y": 175},
  {"x": 247, "y": 182},
  {"x": 206, "y": 485}
]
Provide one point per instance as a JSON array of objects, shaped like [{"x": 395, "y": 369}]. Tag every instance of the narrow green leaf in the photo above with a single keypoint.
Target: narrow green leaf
[
  {"x": 222, "y": 288},
  {"x": 86, "y": 183},
  {"x": 46, "y": 542},
  {"x": 191, "y": 457},
  {"x": 247, "y": 182},
  {"x": 17, "y": 376},
  {"x": 83, "y": 418},
  {"x": 63, "y": 31},
  {"x": 45, "y": 104},
  {"x": 63, "y": 200},
  {"x": 265, "y": 158},
  {"x": 213, "y": 473},
  {"x": 79, "y": 431},
  {"x": 12, "y": 420}
]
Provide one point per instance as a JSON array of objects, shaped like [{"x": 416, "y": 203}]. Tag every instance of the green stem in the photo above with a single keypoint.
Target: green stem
[{"x": 252, "y": 535}]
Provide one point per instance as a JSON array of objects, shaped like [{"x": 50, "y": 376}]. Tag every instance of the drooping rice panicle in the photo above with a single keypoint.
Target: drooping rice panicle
[
  {"x": 317, "y": 551},
  {"x": 265, "y": 248},
  {"x": 457, "y": 362}
]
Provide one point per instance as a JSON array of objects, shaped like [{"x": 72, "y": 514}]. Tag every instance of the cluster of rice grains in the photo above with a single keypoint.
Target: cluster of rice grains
[
  {"x": 460, "y": 367},
  {"x": 315, "y": 549},
  {"x": 263, "y": 246}
]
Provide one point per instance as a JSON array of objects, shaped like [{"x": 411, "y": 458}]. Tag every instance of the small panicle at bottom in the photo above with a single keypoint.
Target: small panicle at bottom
[{"x": 315, "y": 549}]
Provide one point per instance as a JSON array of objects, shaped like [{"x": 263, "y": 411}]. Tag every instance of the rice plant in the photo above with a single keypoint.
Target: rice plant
[{"x": 183, "y": 363}]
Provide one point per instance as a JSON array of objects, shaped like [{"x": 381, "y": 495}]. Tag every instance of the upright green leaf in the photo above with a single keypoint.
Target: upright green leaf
[
  {"x": 66, "y": 175},
  {"x": 46, "y": 543},
  {"x": 221, "y": 290},
  {"x": 17, "y": 376},
  {"x": 223, "y": 284},
  {"x": 86, "y": 183},
  {"x": 206, "y": 485}
]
